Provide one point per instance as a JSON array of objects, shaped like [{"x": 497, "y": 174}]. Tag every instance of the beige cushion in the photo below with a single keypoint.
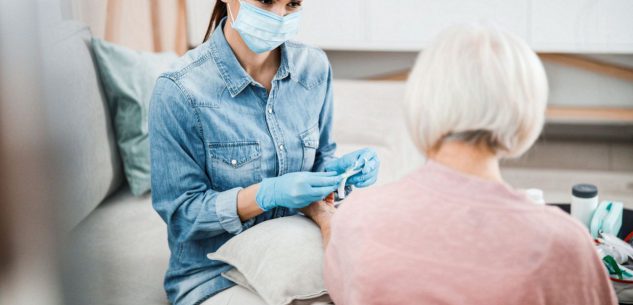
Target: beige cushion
[
  {"x": 280, "y": 259},
  {"x": 235, "y": 296},
  {"x": 80, "y": 126},
  {"x": 238, "y": 278},
  {"x": 119, "y": 254}
]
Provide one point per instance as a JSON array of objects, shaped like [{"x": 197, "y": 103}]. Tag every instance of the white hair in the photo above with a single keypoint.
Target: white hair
[{"x": 480, "y": 84}]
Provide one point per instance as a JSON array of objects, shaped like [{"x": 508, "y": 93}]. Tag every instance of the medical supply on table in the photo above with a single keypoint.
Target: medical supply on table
[
  {"x": 536, "y": 195},
  {"x": 624, "y": 291},
  {"x": 607, "y": 218},
  {"x": 611, "y": 245},
  {"x": 617, "y": 257},
  {"x": 617, "y": 271},
  {"x": 584, "y": 201},
  {"x": 296, "y": 190}
]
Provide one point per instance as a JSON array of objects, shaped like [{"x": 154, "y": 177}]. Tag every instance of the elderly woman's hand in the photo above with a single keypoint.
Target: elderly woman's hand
[{"x": 321, "y": 213}]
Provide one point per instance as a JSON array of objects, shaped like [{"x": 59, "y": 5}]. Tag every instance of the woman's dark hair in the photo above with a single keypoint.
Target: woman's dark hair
[{"x": 219, "y": 12}]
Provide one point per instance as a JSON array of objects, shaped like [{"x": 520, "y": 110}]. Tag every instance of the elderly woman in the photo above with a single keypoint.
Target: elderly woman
[{"x": 453, "y": 232}]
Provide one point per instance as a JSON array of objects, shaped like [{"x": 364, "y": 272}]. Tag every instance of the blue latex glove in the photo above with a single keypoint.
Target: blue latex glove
[
  {"x": 365, "y": 159},
  {"x": 296, "y": 190}
]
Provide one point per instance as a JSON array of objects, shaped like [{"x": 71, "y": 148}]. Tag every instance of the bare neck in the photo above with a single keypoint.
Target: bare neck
[
  {"x": 469, "y": 159},
  {"x": 262, "y": 67}
]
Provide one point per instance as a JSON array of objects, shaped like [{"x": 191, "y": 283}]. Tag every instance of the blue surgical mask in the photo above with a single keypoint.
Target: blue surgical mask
[{"x": 261, "y": 30}]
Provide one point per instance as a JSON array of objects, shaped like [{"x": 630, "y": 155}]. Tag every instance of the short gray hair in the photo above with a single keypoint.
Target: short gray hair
[{"x": 477, "y": 83}]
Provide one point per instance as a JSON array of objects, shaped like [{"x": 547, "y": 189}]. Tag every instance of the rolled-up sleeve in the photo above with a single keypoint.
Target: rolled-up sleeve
[
  {"x": 327, "y": 145},
  {"x": 181, "y": 189},
  {"x": 226, "y": 209}
]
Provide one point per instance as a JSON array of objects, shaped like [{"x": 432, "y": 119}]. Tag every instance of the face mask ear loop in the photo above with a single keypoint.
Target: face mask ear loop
[{"x": 228, "y": 6}]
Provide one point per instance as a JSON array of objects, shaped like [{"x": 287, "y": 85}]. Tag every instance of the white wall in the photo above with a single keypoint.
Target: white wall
[{"x": 570, "y": 26}]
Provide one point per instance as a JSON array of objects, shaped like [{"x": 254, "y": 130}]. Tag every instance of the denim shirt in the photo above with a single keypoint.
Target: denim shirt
[{"x": 213, "y": 131}]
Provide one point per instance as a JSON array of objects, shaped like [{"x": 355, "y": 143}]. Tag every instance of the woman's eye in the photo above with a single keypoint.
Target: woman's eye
[
  {"x": 294, "y": 4},
  {"x": 267, "y": 2}
]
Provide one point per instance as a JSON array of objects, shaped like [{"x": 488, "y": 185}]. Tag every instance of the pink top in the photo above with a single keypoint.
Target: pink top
[{"x": 441, "y": 237}]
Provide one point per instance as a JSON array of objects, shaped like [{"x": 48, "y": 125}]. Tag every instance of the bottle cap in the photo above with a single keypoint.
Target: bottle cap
[{"x": 584, "y": 191}]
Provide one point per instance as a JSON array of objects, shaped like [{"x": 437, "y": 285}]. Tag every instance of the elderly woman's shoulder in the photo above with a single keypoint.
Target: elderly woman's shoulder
[
  {"x": 366, "y": 201},
  {"x": 565, "y": 232}
]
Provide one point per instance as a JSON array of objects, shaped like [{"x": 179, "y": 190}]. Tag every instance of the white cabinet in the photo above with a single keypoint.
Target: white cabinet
[
  {"x": 333, "y": 24},
  {"x": 589, "y": 26},
  {"x": 410, "y": 24},
  {"x": 570, "y": 26}
]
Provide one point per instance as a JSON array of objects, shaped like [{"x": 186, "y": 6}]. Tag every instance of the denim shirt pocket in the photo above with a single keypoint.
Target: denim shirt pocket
[
  {"x": 234, "y": 164},
  {"x": 310, "y": 144}
]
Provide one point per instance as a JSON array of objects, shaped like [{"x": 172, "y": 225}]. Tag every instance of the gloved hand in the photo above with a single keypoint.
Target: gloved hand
[
  {"x": 296, "y": 190},
  {"x": 369, "y": 164}
]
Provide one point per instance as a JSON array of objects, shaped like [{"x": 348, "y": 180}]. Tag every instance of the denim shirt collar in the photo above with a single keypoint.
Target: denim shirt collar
[{"x": 233, "y": 74}]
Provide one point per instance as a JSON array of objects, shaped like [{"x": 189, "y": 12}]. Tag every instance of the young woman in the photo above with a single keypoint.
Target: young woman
[{"x": 240, "y": 132}]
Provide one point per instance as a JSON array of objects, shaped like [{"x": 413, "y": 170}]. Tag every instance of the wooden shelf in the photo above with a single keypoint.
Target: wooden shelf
[
  {"x": 591, "y": 65},
  {"x": 588, "y": 115}
]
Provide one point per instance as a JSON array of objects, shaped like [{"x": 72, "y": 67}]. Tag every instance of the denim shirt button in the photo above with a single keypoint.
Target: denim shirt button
[
  {"x": 270, "y": 110},
  {"x": 281, "y": 147},
  {"x": 234, "y": 162}
]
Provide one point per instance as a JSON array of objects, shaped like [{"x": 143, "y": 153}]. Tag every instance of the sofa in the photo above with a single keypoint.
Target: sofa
[{"x": 116, "y": 252}]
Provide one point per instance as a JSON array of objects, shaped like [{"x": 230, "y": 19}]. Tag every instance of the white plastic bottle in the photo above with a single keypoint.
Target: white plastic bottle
[{"x": 584, "y": 202}]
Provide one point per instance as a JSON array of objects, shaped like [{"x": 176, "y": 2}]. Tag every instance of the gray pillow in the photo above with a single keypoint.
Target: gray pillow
[
  {"x": 280, "y": 259},
  {"x": 128, "y": 79}
]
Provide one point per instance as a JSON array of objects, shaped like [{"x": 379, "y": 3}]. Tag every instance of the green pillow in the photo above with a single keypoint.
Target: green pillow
[{"x": 128, "y": 79}]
